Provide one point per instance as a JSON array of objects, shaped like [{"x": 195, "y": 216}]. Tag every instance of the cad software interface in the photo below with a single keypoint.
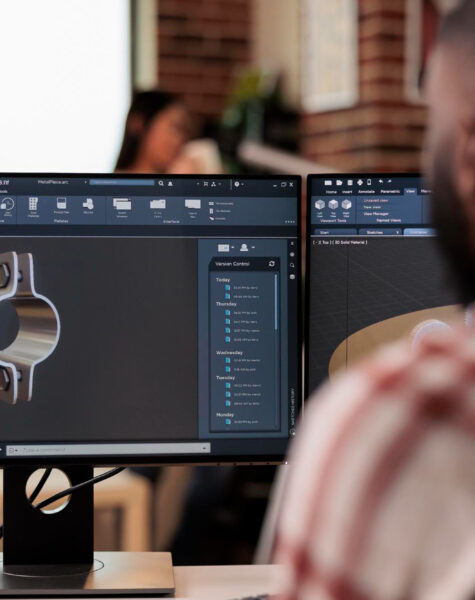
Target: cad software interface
[
  {"x": 374, "y": 271},
  {"x": 147, "y": 317}
]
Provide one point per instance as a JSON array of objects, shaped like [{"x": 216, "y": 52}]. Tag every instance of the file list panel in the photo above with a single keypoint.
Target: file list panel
[
  {"x": 243, "y": 357},
  {"x": 244, "y": 344}
]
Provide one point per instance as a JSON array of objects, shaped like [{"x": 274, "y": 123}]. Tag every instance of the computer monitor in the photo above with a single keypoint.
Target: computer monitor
[
  {"x": 148, "y": 319},
  {"x": 373, "y": 269}
]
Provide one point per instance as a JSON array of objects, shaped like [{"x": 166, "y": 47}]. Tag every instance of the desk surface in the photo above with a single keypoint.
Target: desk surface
[
  {"x": 224, "y": 583},
  {"x": 219, "y": 583}
]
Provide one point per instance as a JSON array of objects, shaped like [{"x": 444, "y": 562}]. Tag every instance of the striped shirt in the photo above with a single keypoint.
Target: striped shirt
[{"x": 381, "y": 498}]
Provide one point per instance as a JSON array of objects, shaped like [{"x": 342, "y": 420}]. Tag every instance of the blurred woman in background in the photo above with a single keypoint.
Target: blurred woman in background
[
  {"x": 157, "y": 138},
  {"x": 156, "y": 130}
]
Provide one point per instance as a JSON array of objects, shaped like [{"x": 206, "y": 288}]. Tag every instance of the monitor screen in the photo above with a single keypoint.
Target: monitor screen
[
  {"x": 373, "y": 273},
  {"x": 148, "y": 319}
]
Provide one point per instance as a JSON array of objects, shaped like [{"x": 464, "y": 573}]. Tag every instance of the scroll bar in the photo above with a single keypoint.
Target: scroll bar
[{"x": 276, "y": 351}]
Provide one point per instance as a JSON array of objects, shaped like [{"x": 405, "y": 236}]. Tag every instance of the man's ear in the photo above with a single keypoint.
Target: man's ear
[{"x": 464, "y": 169}]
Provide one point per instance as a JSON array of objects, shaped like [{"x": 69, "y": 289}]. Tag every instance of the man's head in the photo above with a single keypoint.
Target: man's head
[{"x": 450, "y": 157}]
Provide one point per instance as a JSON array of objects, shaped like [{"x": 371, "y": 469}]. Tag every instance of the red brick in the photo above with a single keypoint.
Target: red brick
[{"x": 201, "y": 43}]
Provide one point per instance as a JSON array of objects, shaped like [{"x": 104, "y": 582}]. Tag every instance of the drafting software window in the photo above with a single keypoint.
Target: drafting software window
[
  {"x": 176, "y": 302},
  {"x": 374, "y": 270}
]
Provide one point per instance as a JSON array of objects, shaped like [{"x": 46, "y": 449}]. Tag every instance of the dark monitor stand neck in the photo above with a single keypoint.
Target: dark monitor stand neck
[{"x": 52, "y": 553}]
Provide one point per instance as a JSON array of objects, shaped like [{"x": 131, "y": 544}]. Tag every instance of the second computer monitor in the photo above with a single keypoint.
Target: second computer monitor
[{"x": 373, "y": 272}]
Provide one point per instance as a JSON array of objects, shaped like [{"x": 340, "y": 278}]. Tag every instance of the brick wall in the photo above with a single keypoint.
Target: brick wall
[
  {"x": 384, "y": 131},
  {"x": 201, "y": 43}
]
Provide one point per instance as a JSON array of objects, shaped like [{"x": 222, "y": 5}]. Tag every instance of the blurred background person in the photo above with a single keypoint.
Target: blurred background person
[
  {"x": 157, "y": 137},
  {"x": 156, "y": 130}
]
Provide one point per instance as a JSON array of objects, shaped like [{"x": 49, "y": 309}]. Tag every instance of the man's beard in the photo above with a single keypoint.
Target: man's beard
[{"x": 453, "y": 229}]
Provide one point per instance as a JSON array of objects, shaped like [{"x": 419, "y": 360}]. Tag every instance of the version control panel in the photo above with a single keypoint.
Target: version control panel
[{"x": 243, "y": 337}]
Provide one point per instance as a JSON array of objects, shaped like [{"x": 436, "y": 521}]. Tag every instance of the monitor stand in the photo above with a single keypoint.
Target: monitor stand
[{"x": 52, "y": 554}]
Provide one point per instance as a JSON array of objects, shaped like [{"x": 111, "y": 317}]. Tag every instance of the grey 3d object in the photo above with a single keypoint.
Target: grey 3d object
[{"x": 38, "y": 331}]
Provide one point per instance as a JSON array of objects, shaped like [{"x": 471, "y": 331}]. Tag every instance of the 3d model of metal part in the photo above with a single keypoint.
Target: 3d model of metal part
[{"x": 38, "y": 332}]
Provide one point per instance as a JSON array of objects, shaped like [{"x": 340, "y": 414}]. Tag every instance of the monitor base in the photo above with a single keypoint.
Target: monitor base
[{"x": 111, "y": 574}]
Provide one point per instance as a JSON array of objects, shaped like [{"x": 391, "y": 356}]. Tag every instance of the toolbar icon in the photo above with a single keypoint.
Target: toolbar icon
[
  {"x": 122, "y": 204},
  {"x": 333, "y": 204},
  {"x": 346, "y": 204},
  {"x": 32, "y": 203},
  {"x": 194, "y": 204},
  {"x": 319, "y": 204},
  {"x": 156, "y": 204},
  {"x": 89, "y": 204},
  {"x": 61, "y": 203},
  {"x": 7, "y": 204}
]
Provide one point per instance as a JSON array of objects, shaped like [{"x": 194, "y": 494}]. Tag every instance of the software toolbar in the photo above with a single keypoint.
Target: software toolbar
[
  {"x": 145, "y": 210},
  {"x": 370, "y": 207}
]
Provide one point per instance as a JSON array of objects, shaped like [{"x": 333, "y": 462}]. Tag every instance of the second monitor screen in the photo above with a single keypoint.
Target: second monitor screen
[{"x": 374, "y": 272}]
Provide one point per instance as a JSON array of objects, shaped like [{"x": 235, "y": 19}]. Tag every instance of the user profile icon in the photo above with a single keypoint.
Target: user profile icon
[{"x": 244, "y": 248}]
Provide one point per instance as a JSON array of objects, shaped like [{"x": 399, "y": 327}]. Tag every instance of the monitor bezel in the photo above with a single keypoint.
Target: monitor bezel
[
  {"x": 308, "y": 204},
  {"x": 185, "y": 459}
]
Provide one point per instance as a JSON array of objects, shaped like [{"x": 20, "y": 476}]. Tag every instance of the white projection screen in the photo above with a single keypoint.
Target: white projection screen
[{"x": 65, "y": 84}]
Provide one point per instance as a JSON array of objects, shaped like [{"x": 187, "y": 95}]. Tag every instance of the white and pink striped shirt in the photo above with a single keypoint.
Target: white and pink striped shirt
[{"x": 380, "y": 502}]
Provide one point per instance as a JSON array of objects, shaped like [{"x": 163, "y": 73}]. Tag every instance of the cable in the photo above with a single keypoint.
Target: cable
[
  {"x": 39, "y": 487},
  {"x": 66, "y": 492},
  {"x": 79, "y": 486}
]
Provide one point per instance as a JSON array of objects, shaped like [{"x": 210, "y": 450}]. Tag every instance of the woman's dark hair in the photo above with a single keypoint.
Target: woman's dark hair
[{"x": 145, "y": 106}]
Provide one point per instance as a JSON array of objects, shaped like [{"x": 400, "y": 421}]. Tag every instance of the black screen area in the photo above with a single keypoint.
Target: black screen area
[
  {"x": 374, "y": 270},
  {"x": 148, "y": 320}
]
